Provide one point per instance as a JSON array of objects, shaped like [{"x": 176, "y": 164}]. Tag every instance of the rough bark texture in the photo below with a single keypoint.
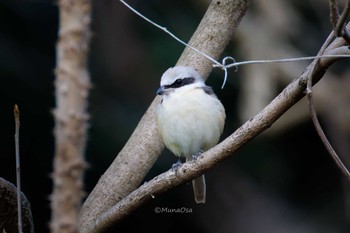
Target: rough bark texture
[
  {"x": 8, "y": 209},
  {"x": 144, "y": 146},
  {"x": 72, "y": 87}
]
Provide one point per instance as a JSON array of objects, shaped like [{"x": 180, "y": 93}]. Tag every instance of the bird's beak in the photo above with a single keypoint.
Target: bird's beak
[{"x": 161, "y": 90}]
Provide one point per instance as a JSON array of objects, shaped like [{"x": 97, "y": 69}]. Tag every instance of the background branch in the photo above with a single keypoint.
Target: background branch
[
  {"x": 144, "y": 146},
  {"x": 334, "y": 15},
  {"x": 256, "y": 125},
  {"x": 72, "y": 87},
  {"x": 324, "y": 138},
  {"x": 313, "y": 113},
  {"x": 340, "y": 20},
  {"x": 18, "y": 168}
]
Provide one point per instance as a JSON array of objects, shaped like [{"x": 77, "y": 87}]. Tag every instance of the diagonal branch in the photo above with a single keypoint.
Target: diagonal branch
[
  {"x": 144, "y": 146},
  {"x": 253, "y": 127}
]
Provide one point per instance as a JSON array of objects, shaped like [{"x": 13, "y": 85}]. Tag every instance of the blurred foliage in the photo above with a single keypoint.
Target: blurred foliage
[{"x": 282, "y": 181}]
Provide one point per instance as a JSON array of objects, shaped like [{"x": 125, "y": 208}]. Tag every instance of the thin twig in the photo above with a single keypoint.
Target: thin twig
[
  {"x": 324, "y": 139},
  {"x": 313, "y": 113},
  {"x": 342, "y": 20},
  {"x": 18, "y": 169},
  {"x": 339, "y": 21},
  {"x": 334, "y": 12}
]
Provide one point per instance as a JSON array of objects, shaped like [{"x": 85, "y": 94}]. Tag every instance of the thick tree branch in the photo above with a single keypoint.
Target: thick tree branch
[
  {"x": 144, "y": 146},
  {"x": 72, "y": 87},
  {"x": 285, "y": 100}
]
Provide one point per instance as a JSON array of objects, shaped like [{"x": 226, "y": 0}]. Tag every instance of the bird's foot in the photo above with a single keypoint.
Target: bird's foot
[
  {"x": 196, "y": 155},
  {"x": 176, "y": 166}
]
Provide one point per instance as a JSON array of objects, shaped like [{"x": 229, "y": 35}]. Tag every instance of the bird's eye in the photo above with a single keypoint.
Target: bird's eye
[{"x": 178, "y": 82}]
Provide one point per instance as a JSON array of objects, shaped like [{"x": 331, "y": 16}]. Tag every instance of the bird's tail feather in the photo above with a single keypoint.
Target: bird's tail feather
[{"x": 199, "y": 189}]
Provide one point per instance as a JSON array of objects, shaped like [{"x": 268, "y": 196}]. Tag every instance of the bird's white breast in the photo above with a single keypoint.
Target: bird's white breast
[{"x": 190, "y": 121}]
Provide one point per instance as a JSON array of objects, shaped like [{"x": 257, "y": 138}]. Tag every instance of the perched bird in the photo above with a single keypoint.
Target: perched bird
[{"x": 190, "y": 117}]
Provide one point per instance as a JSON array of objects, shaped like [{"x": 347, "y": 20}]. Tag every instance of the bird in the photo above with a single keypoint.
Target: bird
[{"x": 190, "y": 118}]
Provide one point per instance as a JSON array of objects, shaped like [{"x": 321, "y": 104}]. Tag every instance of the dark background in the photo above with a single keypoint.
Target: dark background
[{"x": 282, "y": 181}]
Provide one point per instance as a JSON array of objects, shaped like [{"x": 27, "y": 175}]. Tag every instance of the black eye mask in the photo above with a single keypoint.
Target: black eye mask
[{"x": 181, "y": 82}]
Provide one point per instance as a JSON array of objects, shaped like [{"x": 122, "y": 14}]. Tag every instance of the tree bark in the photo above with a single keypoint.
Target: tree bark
[
  {"x": 8, "y": 209},
  {"x": 72, "y": 86}
]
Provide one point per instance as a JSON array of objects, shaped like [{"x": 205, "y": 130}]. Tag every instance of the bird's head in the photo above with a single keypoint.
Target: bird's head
[{"x": 179, "y": 77}]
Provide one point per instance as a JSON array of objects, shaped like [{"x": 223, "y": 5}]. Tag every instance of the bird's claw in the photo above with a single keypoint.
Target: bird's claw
[
  {"x": 176, "y": 166},
  {"x": 196, "y": 155}
]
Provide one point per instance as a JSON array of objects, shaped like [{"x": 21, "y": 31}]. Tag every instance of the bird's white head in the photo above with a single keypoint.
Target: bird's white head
[{"x": 179, "y": 77}]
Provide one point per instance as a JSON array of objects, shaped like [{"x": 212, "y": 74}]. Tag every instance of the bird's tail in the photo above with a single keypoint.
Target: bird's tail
[{"x": 199, "y": 189}]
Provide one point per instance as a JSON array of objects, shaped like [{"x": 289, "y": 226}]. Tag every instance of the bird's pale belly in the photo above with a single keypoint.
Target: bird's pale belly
[{"x": 192, "y": 126}]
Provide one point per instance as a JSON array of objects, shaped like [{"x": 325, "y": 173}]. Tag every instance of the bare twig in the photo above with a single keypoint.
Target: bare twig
[
  {"x": 334, "y": 13},
  {"x": 324, "y": 139},
  {"x": 287, "y": 98},
  {"x": 339, "y": 21},
  {"x": 313, "y": 113},
  {"x": 18, "y": 169},
  {"x": 145, "y": 145},
  {"x": 342, "y": 20},
  {"x": 72, "y": 86}
]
